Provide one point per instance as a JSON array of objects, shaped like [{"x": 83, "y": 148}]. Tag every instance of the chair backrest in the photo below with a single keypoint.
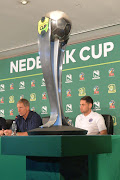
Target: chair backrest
[
  {"x": 9, "y": 123},
  {"x": 45, "y": 119},
  {"x": 109, "y": 123}
]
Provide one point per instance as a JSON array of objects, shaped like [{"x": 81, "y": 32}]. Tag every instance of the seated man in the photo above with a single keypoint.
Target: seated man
[
  {"x": 26, "y": 120},
  {"x": 91, "y": 121}
]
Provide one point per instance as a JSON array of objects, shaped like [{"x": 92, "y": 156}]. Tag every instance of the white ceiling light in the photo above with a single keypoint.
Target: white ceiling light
[{"x": 24, "y": 2}]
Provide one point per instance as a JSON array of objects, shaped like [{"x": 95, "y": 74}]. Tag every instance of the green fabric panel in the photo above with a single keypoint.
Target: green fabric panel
[
  {"x": 12, "y": 167},
  {"x": 106, "y": 166}
]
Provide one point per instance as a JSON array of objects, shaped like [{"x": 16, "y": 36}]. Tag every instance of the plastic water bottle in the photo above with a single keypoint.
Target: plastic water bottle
[{"x": 14, "y": 128}]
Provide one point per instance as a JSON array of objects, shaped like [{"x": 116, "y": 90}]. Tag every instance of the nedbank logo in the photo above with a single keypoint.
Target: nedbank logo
[
  {"x": 96, "y": 74},
  {"x": 22, "y": 85},
  {"x": 69, "y": 108},
  {"x": 68, "y": 78},
  {"x": 2, "y": 87},
  {"x": 43, "y": 82},
  {"x": 96, "y": 106},
  {"x": 2, "y": 113},
  {"x": 44, "y": 110}
]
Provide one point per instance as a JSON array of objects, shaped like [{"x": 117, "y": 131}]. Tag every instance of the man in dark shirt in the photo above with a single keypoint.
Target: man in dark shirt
[{"x": 26, "y": 120}]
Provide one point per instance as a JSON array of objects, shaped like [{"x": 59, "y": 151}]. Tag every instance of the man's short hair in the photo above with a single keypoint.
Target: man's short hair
[
  {"x": 88, "y": 99},
  {"x": 24, "y": 101}
]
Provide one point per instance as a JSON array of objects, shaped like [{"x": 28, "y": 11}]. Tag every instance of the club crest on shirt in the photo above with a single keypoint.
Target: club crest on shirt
[{"x": 90, "y": 120}]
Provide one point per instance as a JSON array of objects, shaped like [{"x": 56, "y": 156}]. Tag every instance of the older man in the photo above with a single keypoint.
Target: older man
[{"x": 26, "y": 120}]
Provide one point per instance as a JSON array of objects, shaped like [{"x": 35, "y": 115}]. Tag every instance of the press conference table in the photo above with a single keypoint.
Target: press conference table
[{"x": 59, "y": 157}]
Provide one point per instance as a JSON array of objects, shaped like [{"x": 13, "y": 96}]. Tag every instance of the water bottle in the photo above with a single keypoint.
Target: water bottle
[{"x": 14, "y": 128}]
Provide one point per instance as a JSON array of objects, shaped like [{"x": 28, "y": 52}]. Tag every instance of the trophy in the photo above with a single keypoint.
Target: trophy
[{"x": 53, "y": 34}]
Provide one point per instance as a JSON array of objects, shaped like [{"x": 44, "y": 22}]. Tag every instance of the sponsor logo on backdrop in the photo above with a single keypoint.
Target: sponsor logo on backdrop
[
  {"x": 33, "y": 83},
  {"x": 2, "y": 87},
  {"x": 114, "y": 120},
  {"x": 111, "y": 88},
  {"x": 44, "y": 110},
  {"x": 44, "y": 96},
  {"x": 32, "y": 97},
  {"x": 68, "y": 78},
  {"x": 43, "y": 82},
  {"x": 96, "y": 74},
  {"x": 68, "y": 92},
  {"x": 11, "y": 86},
  {"x": 22, "y": 96},
  {"x": 112, "y": 104},
  {"x": 11, "y": 112},
  {"x": 96, "y": 106},
  {"x": 11, "y": 99},
  {"x": 32, "y": 108},
  {"x": 82, "y": 91},
  {"x": 2, "y": 113},
  {"x": 22, "y": 85},
  {"x": 96, "y": 90},
  {"x": 111, "y": 72},
  {"x": 2, "y": 100},
  {"x": 81, "y": 76},
  {"x": 69, "y": 108}
]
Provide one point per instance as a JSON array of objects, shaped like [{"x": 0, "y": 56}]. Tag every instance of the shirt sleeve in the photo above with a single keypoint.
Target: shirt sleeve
[
  {"x": 101, "y": 123},
  {"x": 37, "y": 121}
]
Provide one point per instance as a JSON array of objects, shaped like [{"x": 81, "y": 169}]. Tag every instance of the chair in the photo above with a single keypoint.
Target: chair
[
  {"x": 9, "y": 123},
  {"x": 109, "y": 123}
]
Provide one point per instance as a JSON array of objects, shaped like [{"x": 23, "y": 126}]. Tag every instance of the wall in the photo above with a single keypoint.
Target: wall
[{"x": 90, "y": 68}]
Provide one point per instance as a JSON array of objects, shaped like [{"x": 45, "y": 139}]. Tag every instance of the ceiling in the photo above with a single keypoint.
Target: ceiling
[{"x": 90, "y": 19}]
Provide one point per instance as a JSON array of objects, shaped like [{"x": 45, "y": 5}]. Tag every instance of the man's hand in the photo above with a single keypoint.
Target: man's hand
[
  {"x": 2, "y": 132},
  {"x": 8, "y": 132}
]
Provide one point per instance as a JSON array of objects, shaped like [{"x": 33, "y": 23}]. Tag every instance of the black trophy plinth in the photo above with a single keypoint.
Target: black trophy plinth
[{"x": 57, "y": 130}]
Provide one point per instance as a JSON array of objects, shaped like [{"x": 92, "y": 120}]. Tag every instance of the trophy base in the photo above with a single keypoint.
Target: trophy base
[{"x": 57, "y": 130}]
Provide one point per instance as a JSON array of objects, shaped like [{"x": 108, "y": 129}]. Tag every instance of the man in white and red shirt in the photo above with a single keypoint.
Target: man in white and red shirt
[{"x": 91, "y": 121}]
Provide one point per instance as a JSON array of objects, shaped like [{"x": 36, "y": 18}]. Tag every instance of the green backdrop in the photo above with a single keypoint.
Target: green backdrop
[{"x": 89, "y": 68}]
